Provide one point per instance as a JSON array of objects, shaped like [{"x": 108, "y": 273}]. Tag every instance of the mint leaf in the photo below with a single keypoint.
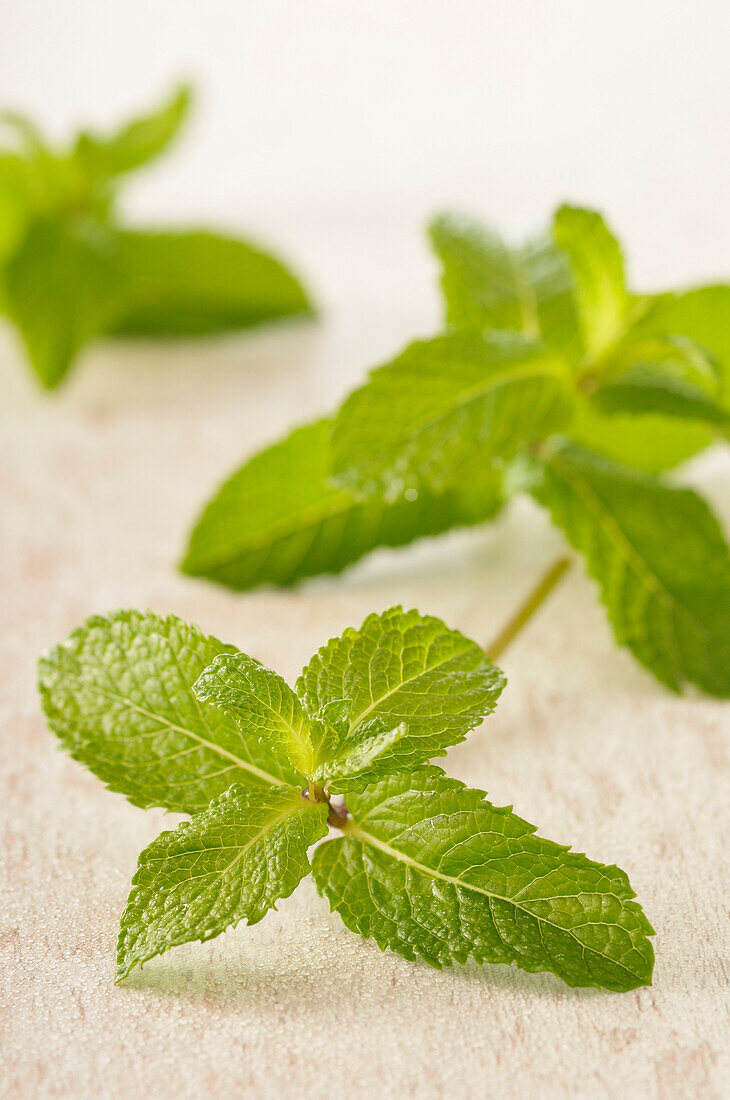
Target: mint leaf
[
  {"x": 278, "y": 519},
  {"x": 598, "y": 273},
  {"x": 488, "y": 285},
  {"x": 421, "y": 418},
  {"x": 71, "y": 272},
  {"x": 262, "y": 704},
  {"x": 651, "y": 442},
  {"x": 62, "y": 288},
  {"x": 699, "y": 314},
  {"x": 360, "y": 753},
  {"x": 643, "y": 390},
  {"x": 325, "y": 748},
  {"x": 231, "y": 862},
  {"x": 14, "y": 205},
  {"x": 432, "y": 870},
  {"x": 659, "y": 557},
  {"x": 403, "y": 668},
  {"x": 136, "y": 143},
  {"x": 191, "y": 284},
  {"x": 118, "y": 693},
  {"x": 678, "y": 357}
]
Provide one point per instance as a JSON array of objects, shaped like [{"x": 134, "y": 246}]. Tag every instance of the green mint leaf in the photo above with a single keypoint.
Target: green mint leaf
[
  {"x": 278, "y": 519},
  {"x": 191, "y": 284},
  {"x": 598, "y": 272},
  {"x": 63, "y": 286},
  {"x": 402, "y": 667},
  {"x": 262, "y": 704},
  {"x": 232, "y": 862},
  {"x": 71, "y": 272},
  {"x": 136, "y": 143},
  {"x": 700, "y": 315},
  {"x": 650, "y": 442},
  {"x": 644, "y": 391},
  {"x": 677, "y": 357},
  {"x": 423, "y": 416},
  {"x": 488, "y": 285},
  {"x": 118, "y": 693},
  {"x": 362, "y": 753},
  {"x": 659, "y": 557},
  {"x": 15, "y": 186},
  {"x": 432, "y": 870}
]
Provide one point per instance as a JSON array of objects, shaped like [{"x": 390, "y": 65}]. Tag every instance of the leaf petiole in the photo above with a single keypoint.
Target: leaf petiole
[{"x": 528, "y": 608}]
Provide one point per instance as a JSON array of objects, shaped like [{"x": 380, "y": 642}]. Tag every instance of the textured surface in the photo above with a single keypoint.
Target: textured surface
[
  {"x": 432, "y": 870},
  {"x": 279, "y": 519},
  {"x": 119, "y": 695},
  {"x": 98, "y": 490},
  {"x": 231, "y": 862},
  {"x": 660, "y": 559}
]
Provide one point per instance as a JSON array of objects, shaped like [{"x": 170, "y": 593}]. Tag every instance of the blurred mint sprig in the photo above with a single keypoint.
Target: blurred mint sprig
[
  {"x": 71, "y": 272},
  {"x": 553, "y": 378}
]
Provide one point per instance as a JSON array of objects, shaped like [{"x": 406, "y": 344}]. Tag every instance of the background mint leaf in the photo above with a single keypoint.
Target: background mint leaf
[
  {"x": 433, "y": 871},
  {"x": 700, "y": 314},
  {"x": 403, "y": 667},
  {"x": 118, "y": 693},
  {"x": 278, "y": 519},
  {"x": 193, "y": 283},
  {"x": 643, "y": 390},
  {"x": 488, "y": 285},
  {"x": 676, "y": 356},
  {"x": 598, "y": 273},
  {"x": 262, "y": 704},
  {"x": 650, "y": 442},
  {"x": 15, "y": 200},
  {"x": 659, "y": 557},
  {"x": 423, "y": 416},
  {"x": 72, "y": 272},
  {"x": 231, "y": 862},
  {"x": 135, "y": 143},
  {"x": 63, "y": 287}
]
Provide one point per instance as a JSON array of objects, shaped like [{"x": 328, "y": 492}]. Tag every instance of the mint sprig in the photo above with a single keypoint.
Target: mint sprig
[
  {"x": 419, "y": 862},
  {"x": 71, "y": 271},
  {"x": 547, "y": 351}
]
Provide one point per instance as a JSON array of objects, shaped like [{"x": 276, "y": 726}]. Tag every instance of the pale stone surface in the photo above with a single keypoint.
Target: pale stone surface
[{"x": 97, "y": 489}]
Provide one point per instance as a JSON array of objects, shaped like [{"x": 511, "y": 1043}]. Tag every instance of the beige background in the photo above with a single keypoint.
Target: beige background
[
  {"x": 98, "y": 487},
  {"x": 333, "y": 128}
]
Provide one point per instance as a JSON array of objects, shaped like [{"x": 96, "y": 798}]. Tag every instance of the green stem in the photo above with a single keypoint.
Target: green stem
[
  {"x": 525, "y": 612},
  {"x": 316, "y": 792}
]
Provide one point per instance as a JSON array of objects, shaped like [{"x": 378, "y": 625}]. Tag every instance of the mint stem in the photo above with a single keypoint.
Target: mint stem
[{"x": 527, "y": 609}]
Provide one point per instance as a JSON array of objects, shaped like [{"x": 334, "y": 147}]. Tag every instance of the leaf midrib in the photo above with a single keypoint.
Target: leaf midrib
[
  {"x": 308, "y": 518},
  {"x": 217, "y": 876},
  {"x": 360, "y": 834},
  {"x": 245, "y": 765},
  {"x": 615, "y": 533},
  {"x": 355, "y": 722},
  {"x": 296, "y": 743}
]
